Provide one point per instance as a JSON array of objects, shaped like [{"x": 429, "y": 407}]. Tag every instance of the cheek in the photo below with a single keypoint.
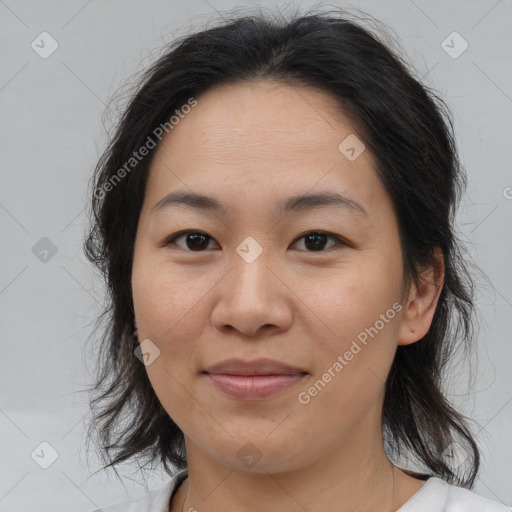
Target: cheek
[
  {"x": 360, "y": 313},
  {"x": 168, "y": 310},
  {"x": 353, "y": 300},
  {"x": 351, "y": 366},
  {"x": 165, "y": 301}
]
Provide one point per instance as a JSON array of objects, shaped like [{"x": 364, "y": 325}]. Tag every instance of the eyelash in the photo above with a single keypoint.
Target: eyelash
[{"x": 340, "y": 242}]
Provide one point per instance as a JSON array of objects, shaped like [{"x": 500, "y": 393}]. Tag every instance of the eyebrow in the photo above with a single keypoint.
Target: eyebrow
[{"x": 292, "y": 204}]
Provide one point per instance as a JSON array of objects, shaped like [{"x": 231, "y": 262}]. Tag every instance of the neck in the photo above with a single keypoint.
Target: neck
[{"x": 356, "y": 479}]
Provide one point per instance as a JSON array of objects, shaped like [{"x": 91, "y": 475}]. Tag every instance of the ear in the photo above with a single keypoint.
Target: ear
[{"x": 421, "y": 304}]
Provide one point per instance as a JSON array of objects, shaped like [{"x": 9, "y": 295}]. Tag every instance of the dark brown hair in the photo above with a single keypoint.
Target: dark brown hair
[{"x": 408, "y": 129}]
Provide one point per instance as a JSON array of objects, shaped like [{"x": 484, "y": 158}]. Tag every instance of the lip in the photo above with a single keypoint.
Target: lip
[
  {"x": 255, "y": 367},
  {"x": 253, "y": 380}
]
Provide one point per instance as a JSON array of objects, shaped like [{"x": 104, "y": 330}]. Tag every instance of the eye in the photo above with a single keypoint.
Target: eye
[
  {"x": 316, "y": 240},
  {"x": 197, "y": 241}
]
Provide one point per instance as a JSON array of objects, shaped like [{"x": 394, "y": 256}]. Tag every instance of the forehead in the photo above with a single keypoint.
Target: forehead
[
  {"x": 264, "y": 119},
  {"x": 261, "y": 139}
]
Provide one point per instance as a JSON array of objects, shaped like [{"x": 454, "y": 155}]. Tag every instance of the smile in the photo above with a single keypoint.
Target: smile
[{"x": 253, "y": 387}]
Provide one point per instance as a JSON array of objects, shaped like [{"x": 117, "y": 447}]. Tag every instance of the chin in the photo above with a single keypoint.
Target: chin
[{"x": 262, "y": 451}]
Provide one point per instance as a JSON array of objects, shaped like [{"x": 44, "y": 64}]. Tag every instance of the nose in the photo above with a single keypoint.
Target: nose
[{"x": 252, "y": 299}]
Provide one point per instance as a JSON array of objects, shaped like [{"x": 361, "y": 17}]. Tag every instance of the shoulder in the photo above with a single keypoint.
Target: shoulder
[
  {"x": 436, "y": 495},
  {"x": 153, "y": 501},
  {"x": 464, "y": 500}
]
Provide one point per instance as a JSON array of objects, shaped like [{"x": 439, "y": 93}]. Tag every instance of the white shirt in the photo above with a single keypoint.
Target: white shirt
[{"x": 435, "y": 495}]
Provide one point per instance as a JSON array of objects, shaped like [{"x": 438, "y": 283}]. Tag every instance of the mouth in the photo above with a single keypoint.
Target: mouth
[{"x": 253, "y": 380}]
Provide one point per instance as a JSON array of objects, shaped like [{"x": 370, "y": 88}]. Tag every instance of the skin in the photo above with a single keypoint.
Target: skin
[{"x": 250, "y": 146}]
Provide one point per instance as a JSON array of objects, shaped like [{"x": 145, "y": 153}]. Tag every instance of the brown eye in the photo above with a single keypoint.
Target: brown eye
[
  {"x": 195, "y": 241},
  {"x": 315, "y": 241}
]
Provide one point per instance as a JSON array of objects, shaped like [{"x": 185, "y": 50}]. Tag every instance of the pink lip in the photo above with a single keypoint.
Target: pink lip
[
  {"x": 253, "y": 387},
  {"x": 253, "y": 380}
]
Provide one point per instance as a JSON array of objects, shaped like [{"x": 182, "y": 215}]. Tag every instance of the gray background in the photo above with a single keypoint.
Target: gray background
[{"x": 53, "y": 130}]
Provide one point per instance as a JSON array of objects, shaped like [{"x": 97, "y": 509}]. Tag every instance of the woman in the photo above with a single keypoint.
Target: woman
[{"x": 274, "y": 220}]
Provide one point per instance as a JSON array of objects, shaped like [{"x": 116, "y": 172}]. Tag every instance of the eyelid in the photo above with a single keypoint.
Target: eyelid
[
  {"x": 178, "y": 234},
  {"x": 340, "y": 241},
  {"x": 328, "y": 234}
]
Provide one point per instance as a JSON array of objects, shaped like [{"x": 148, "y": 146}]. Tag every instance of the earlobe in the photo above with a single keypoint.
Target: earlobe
[{"x": 422, "y": 301}]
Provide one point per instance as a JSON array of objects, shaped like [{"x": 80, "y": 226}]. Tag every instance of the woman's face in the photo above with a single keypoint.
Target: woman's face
[{"x": 263, "y": 283}]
